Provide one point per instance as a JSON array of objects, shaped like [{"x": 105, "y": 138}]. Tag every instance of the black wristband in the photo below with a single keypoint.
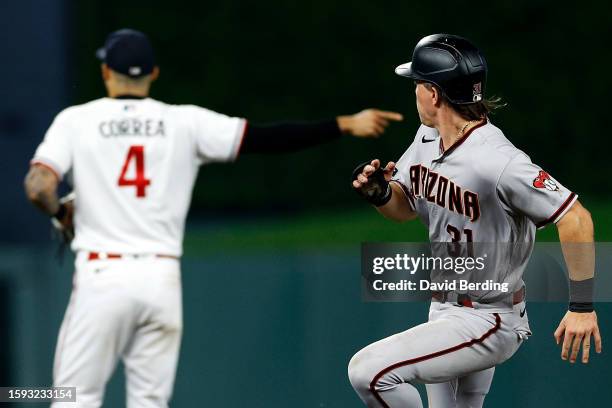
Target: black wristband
[
  {"x": 381, "y": 200},
  {"x": 378, "y": 191},
  {"x": 61, "y": 212},
  {"x": 581, "y": 295},
  {"x": 581, "y": 291},
  {"x": 581, "y": 307}
]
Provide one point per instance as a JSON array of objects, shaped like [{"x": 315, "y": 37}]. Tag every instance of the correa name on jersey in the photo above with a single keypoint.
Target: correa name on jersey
[
  {"x": 439, "y": 190},
  {"x": 132, "y": 127}
]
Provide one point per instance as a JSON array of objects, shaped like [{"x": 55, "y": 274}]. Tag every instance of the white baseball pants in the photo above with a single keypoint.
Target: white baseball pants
[{"x": 128, "y": 309}]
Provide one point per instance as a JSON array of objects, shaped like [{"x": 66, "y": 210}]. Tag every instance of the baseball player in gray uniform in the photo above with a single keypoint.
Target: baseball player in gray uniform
[
  {"x": 133, "y": 162},
  {"x": 467, "y": 183}
]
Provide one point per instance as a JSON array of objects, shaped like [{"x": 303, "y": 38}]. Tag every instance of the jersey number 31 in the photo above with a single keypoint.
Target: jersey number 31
[{"x": 136, "y": 155}]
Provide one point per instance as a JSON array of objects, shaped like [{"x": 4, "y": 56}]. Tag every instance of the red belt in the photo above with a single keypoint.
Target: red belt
[
  {"x": 465, "y": 300},
  {"x": 94, "y": 256}
]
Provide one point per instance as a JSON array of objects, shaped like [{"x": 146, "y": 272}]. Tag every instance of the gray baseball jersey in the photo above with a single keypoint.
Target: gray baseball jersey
[{"x": 483, "y": 190}]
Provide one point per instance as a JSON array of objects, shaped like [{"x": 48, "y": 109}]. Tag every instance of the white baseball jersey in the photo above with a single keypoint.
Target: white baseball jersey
[{"x": 133, "y": 164}]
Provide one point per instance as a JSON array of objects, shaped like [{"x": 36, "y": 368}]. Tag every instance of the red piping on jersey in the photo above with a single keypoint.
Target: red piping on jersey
[
  {"x": 47, "y": 166},
  {"x": 430, "y": 356},
  {"x": 558, "y": 212},
  {"x": 461, "y": 140},
  {"x": 244, "y": 132}
]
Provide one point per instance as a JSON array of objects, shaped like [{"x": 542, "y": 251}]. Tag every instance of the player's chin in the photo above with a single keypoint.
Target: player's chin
[{"x": 424, "y": 121}]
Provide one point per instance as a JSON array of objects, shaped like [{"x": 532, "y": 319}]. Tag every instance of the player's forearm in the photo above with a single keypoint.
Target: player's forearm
[
  {"x": 576, "y": 225},
  {"x": 397, "y": 209},
  {"x": 289, "y": 136},
  {"x": 293, "y": 136},
  {"x": 41, "y": 189},
  {"x": 576, "y": 237}
]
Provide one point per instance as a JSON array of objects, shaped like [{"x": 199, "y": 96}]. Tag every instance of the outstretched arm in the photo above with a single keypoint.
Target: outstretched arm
[
  {"x": 367, "y": 123},
  {"x": 293, "y": 136},
  {"x": 580, "y": 322}
]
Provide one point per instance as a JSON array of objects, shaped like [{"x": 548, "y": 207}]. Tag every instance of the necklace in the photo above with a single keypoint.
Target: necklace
[
  {"x": 459, "y": 134},
  {"x": 462, "y": 131}
]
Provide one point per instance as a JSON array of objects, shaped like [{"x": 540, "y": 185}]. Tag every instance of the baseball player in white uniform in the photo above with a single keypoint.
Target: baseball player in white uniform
[
  {"x": 467, "y": 183},
  {"x": 133, "y": 161}
]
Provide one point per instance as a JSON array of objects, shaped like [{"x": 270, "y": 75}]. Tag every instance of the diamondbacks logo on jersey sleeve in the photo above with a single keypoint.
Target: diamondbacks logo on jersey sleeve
[
  {"x": 443, "y": 192},
  {"x": 545, "y": 181}
]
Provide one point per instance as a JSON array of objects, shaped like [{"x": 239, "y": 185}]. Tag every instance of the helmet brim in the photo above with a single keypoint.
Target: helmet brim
[
  {"x": 406, "y": 70},
  {"x": 101, "y": 54}
]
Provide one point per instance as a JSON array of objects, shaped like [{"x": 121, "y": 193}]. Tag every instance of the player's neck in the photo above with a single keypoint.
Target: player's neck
[
  {"x": 116, "y": 91},
  {"x": 452, "y": 127}
]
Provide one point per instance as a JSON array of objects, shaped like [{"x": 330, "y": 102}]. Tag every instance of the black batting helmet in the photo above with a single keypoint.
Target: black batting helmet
[{"x": 450, "y": 62}]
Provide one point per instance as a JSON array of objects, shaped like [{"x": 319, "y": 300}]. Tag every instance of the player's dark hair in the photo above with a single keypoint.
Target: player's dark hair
[
  {"x": 128, "y": 80},
  {"x": 473, "y": 111}
]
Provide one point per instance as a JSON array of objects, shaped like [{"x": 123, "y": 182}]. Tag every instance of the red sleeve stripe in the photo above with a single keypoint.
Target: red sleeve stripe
[
  {"x": 47, "y": 165},
  {"x": 239, "y": 144},
  {"x": 565, "y": 206}
]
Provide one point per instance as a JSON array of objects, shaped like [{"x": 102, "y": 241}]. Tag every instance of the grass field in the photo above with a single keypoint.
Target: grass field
[{"x": 336, "y": 229}]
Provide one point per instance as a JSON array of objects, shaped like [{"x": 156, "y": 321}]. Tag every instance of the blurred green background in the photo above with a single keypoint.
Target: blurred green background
[
  {"x": 272, "y": 301},
  {"x": 294, "y": 59}
]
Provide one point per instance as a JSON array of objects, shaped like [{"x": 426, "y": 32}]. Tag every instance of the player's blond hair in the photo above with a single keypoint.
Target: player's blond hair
[
  {"x": 478, "y": 110},
  {"x": 472, "y": 111}
]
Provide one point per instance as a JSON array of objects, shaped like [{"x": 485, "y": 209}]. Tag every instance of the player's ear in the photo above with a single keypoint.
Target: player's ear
[
  {"x": 155, "y": 74},
  {"x": 105, "y": 72},
  {"x": 435, "y": 96}
]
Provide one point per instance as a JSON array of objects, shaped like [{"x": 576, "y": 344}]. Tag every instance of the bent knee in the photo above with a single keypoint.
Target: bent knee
[
  {"x": 360, "y": 372},
  {"x": 366, "y": 373}
]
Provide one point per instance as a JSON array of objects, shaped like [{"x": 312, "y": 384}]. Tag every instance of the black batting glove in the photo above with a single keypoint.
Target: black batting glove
[{"x": 376, "y": 190}]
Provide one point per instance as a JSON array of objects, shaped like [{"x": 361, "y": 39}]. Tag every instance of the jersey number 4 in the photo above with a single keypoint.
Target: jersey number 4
[{"x": 136, "y": 155}]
